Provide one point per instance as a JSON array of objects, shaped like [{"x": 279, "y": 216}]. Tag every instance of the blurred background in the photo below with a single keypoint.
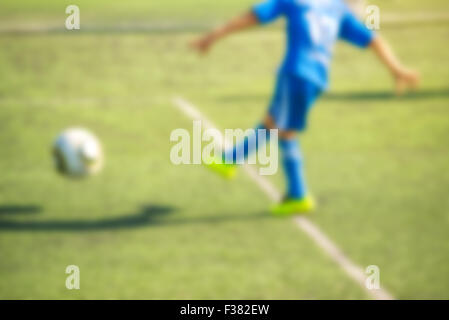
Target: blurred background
[{"x": 146, "y": 229}]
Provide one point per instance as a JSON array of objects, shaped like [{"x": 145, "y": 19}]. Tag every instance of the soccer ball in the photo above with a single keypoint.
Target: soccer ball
[{"x": 77, "y": 153}]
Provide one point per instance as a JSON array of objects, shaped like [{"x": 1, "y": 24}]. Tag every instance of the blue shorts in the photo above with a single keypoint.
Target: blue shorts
[{"x": 292, "y": 100}]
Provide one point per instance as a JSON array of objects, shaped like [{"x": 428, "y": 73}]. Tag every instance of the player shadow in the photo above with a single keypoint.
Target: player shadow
[
  {"x": 107, "y": 29},
  {"x": 148, "y": 216},
  {"x": 351, "y": 96},
  {"x": 19, "y": 209},
  {"x": 387, "y": 95}
]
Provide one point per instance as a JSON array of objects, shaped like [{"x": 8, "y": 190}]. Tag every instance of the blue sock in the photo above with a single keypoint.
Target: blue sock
[
  {"x": 244, "y": 148},
  {"x": 293, "y": 167}
]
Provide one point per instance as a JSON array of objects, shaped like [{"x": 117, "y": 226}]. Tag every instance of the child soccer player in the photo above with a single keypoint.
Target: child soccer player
[{"x": 313, "y": 27}]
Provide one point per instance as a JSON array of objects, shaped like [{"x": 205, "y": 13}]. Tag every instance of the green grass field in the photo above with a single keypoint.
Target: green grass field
[{"x": 146, "y": 229}]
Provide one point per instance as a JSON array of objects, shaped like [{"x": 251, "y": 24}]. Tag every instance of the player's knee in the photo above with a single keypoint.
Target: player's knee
[
  {"x": 283, "y": 134},
  {"x": 287, "y": 134},
  {"x": 269, "y": 123}
]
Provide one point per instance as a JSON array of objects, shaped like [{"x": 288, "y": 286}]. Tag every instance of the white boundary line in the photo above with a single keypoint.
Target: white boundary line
[{"x": 354, "y": 271}]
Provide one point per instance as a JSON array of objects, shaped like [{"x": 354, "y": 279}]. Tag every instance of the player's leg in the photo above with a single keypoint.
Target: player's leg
[
  {"x": 297, "y": 199},
  {"x": 290, "y": 116},
  {"x": 292, "y": 161},
  {"x": 226, "y": 166},
  {"x": 258, "y": 137},
  {"x": 267, "y": 124}
]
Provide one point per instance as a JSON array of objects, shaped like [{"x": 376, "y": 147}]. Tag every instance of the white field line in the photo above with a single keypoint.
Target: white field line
[{"x": 354, "y": 271}]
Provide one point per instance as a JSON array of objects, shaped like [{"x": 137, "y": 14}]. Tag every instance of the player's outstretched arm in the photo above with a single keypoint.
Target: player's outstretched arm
[
  {"x": 205, "y": 42},
  {"x": 405, "y": 78}
]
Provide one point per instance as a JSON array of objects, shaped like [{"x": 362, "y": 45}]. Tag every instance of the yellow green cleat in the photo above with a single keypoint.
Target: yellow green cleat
[
  {"x": 227, "y": 171},
  {"x": 294, "y": 206}
]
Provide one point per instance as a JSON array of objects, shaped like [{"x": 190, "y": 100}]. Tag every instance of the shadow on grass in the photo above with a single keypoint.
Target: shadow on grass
[
  {"x": 153, "y": 215},
  {"x": 385, "y": 95},
  {"x": 354, "y": 96},
  {"x": 19, "y": 209}
]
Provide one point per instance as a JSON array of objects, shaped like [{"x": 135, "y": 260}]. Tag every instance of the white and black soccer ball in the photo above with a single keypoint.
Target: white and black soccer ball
[{"x": 77, "y": 153}]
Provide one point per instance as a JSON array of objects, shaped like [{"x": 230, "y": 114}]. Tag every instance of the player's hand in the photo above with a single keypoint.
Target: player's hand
[
  {"x": 203, "y": 44},
  {"x": 406, "y": 79}
]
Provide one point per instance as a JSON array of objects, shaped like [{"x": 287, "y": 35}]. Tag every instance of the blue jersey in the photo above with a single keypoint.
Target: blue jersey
[{"x": 313, "y": 27}]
